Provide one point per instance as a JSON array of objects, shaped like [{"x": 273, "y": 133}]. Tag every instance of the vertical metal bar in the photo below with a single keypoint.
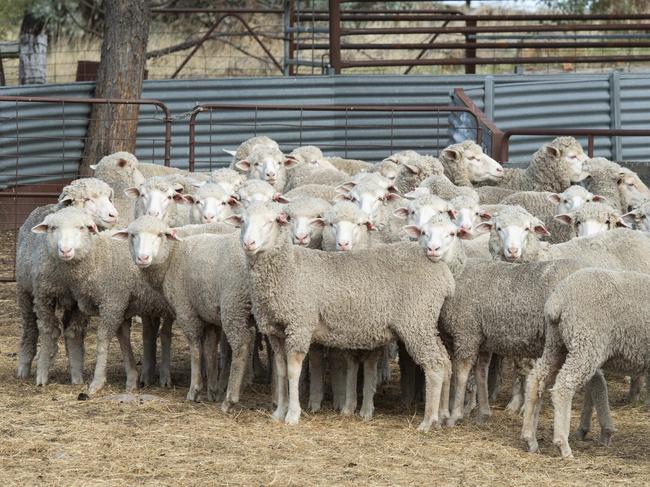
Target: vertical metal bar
[
  {"x": 301, "y": 115},
  {"x": 615, "y": 113},
  {"x": 3, "y": 81},
  {"x": 335, "y": 36},
  {"x": 192, "y": 141},
  {"x": 470, "y": 51},
  {"x": 346, "y": 131},
  {"x": 286, "y": 38},
  {"x": 488, "y": 97},
  {"x": 392, "y": 129},
  {"x": 590, "y": 146},
  {"x": 63, "y": 143},
  {"x": 210, "y": 143}
]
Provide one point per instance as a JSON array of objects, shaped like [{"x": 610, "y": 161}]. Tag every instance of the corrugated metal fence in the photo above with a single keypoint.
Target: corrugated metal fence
[{"x": 602, "y": 101}]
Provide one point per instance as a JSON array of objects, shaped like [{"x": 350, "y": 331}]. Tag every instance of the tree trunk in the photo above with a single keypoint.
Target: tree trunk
[
  {"x": 121, "y": 70},
  {"x": 32, "y": 50}
]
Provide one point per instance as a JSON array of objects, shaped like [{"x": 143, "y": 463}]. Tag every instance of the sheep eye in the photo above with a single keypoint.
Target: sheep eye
[
  {"x": 566, "y": 201},
  {"x": 452, "y": 234},
  {"x": 528, "y": 229},
  {"x": 169, "y": 197},
  {"x": 82, "y": 228},
  {"x": 607, "y": 222},
  {"x": 643, "y": 217}
]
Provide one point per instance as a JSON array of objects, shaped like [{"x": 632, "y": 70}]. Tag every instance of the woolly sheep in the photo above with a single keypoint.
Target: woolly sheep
[
  {"x": 229, "y": 179},
  {"x": 414, "y": 170},
  {"x": 441, "y": 186},
  {"x": 492, "y": 195},
  {"x": 210, "y": 204},
  {"x": 312, "y": 156},
  {"x": 594, "y": 318},
  {"x": 465, "y": 164},
  {"x": 255, "y": 190},
  {"x": 268, "y": 164},
  {"x": 304, "y": 295},
  {"x": 387, "y": 168},
  {"x": 92, "y": 196},
  {"x": 418, "y": 211},
  {"x": 640, "y": 217},
  {"x": 157, "y": 197},
  {"x": 351, "y": 167},
  {"x": 554, "y": 167},
  {"x": 371, "y": 198},
  {"x": 346, "y": 227},
  {"x": 247, "y": 147},
  {"x": 100, "y": 276},
  {"x": 497, "y": 307},
  {"x": 218, "y": 295},
  {"x": 620, "y": 186},
  {"x": 308, "y": 174},
  {"x": 305, "y": 217},
  {"x": 592, "y": 218},
  {"x": 322, "y": 191}
]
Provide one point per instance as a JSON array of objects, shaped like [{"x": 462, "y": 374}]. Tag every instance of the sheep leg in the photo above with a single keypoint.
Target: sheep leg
[
  {"x": 634, "y": 394},
  {"x": 74, "y": 331},
  {"x": 481, "y": 373},
  {"x": 124, "y": 337},
  {"x": 433, "y": 377},
  {"x": 647, "y": 388},
  {"x": 281, "y": 393},
  {"x": 225, "y": 360},
  {"x": 351, "y": 384},
  {"x": 29, "y": 338},
  {"x": 338, "y": 377},
  {"x": 240, "y": 354},
  {"x": 210, "y": 348},
  {"x": 106, "y": 329},
  {"x": 522, "y": 368},
  {"x": 444, "y": 398},
  {"x": 574, "y": 373},
  {"x": 461, "y": 370},
  {"x": 383, "y": 366},
  {"x": 495, "y": 376},
  {"x": 196, "y": 377},
  {"x": 166, "y": 353},
  {"x": 294, "y": 367},
  {"x": 370, "y": 370},
  {"x": 150, "y": 326},
  {"x": 49, "y": 331},
  {"x": 259, "y": 373},
  {"x": 315, "y": 377},
  {"x": 596, "y": 395}
]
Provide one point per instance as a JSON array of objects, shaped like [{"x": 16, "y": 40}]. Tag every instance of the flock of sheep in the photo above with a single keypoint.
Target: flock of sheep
[{"x": 454, "y": 263}]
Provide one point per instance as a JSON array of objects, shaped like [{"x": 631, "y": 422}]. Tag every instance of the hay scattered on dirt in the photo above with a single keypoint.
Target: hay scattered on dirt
[{"x": 49, "y": 437}]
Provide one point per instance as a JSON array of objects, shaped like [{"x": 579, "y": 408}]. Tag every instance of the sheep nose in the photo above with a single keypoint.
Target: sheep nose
[
  {"x": 112, "y": 215},
  {"x": 270, "y": 174},
  {"x": 302, "y": 238},
  {"x": 433, "y": 249},
  {"x": 512, "y": 250},
  {"x": 499, "y": 169},
  {"x": 143, "y": 258},
  {"x": 248, "y": 244},
  {"x": 153, "y": 213},
  {"x": 208, "y": 218},
  {"x": 343, "y": 245},
  {"x": 65, "y": 250}
]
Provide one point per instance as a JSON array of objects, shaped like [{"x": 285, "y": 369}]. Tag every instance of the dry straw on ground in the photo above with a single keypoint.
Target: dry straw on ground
[{"x": 48, "y": 437}]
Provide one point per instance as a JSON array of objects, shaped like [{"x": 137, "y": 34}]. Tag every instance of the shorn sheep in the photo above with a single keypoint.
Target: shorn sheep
[
  {"x": 302, "y": 296},
  {"x": 95, "y": 198},
  {"x": 595, "y": 318}
]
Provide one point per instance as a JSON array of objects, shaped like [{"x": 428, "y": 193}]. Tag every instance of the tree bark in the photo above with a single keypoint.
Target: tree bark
[
  {"x": 32, "y": 51},
  {"x": 121, "y": 70}
]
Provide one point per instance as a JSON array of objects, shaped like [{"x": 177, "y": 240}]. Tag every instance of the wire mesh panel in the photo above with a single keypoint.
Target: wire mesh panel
[
  {"x": 367, "y": 132},
  {"x": 41, "y": 145}
]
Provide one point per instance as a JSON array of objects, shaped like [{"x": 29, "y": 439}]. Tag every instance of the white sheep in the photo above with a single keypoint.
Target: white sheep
[
  {"x": 255, "y": 190},
  {"x": 594, "y": 318},
  {"x": 465, "y": 164},
  {"x": 218, "y": 295},
  {"x": 158, "y": 197},
  {"x": 312, "y": 156},
  {"x": 268, "y": 164},
  {"x": 415, "y": 168},
  {"x": 305, "y": 216},
  {"x": 620, "y": 186},
  {"x": 210, "y": 204},
  {"x": 352, "y": 167},
  {"x": 322, "y": 191},
  {"x": 303, "y": 295},
  {"x": 310, "y": 174},
  {"x": 229, "y": 179},
  {"x": 640, "y": 217},
  {"x": 248, "y": 146},
  {"x": 442, "y": 187}
]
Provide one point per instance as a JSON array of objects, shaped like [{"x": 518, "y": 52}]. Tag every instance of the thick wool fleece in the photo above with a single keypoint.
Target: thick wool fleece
[
  {"x": 307, "y": 174},
  {"x": 424, "y": 166},
  {"x": 120, "y": 171},
  {"x": 322, "y": 191},
  {"x": 351, "y": 167},
  {"x": 442, "y": 187},
  {"x": 603, "y": 180},
  {"x": 245, "y": 148},
  {"x": 307, "y": 207},
  {"x": 457, "y": 170}
]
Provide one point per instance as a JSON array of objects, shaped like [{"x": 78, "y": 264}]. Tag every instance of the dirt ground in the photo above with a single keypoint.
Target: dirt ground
[{"x": 49, "y": 437}]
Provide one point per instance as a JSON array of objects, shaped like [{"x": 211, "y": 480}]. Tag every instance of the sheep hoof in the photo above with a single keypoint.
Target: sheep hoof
[
  {"x": 41, "y": 378},
  {"x": 279, "y": 414},
  {"x": 145, "y": 379},
  {"x": 131, "y": 386},
  {"x": 581, "y": 434},
  {"x": 366, "y": 413},
  {"x": 77, "y": 379},
  {"x": 314, "y": 406},
  {"x": 211, "y": 395},
  {"x": 346, "y": 411},
  {"x": 23, "y": 371},
  {"x": 532, "y": 445},
  {"x": 449, "y": 422},
  {"x": 514, "y": 406},
  {"x": 226, "y": 406},
  {"x": 95, "y": 387},
  {"x": 425, "y": 426},
  {"x": 193, "y": 395},
  {"x": 565, "y": 449},
  {"x": 165, "y": 379},
  {"x": 292, "y": 417},
  {"x": 606, "y": 437},
  {"x": 482, "y": 418}
]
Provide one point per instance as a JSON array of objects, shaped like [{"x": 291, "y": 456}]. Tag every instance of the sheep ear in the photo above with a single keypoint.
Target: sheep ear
[
  {"x": 370, "y": 226},
  {"x": 317, "y": 223},
  {"x": 342, "y": 197},
  {"x": 416, "y": 193},
  {"x": 552, "y": 151},
  {"x": 554, "y": 198},
  {"x": 485, "y": 216},
  {"x": 620, "y": 222},
  {"x": 120, "y": 235},
  {"x": 412, "y": 169},
  {"x": 402, "y": 212},
  {"x": 391, "y": 196},
  {"x": 452, "y": 213},
  {"x": 132, "y": 192},
  {"x": 66, "y": 199},
  {"x": 171, "y": 235},
  {"x": 93, "y": 167},
  {"x": 40, "y": 228},
  {"x": 564, "y": 218},
  {"x": 465, "y": 234},
  {"x": 392, "y": 189},
  {"x": 181, "y": 199},
  {"x": 188, "y": 198},
  {"x": 290, "y": 161},
  {"x": 92, "y": 228},
  {"x": 231, "y": 152},
  {"x": 243, "y": 165},
  {"x": 412, "y": 231},
  {"x": 452, "y": 154},
  {"x": 483, "y": 227},
  {"x": 540, "y": 229},
  {"x": 178, "y": 187},
  {"x": 234, "y": 220},
  {"x": 233, "y": 201},
  {"x": 278, "y": 198},
  {"x": 599, "y": 199},
  {"x": 282, "y": 218},
  {"x": 345, "y": 187}
]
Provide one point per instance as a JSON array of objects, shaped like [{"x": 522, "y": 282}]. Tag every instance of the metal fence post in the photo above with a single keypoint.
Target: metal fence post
[
  {"x": 470, "y": 50},
  {"x": 335, "y": 35},
  {"x": 615, "y": 112}
]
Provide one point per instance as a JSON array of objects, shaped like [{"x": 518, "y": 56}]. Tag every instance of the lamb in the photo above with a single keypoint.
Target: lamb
[
  {"x": 229, "y": 179},
  {"x": 247, "y": 147},
  {"x": 415, "y": 170},
  {"x": 307, "y": 174},
  {"x": 465, "y": 164},
  {"x": 554, "y": 167},
  {"x": 303, "y": 295},
  {"x": 312, "y": 156},
  {"x": 217, "y": 295},
  {"x": 255, "y": 190},
  {"x": 120, "y": 171},
  {"x": 497, "y": 307},
  {"x": 640, "y": 217},
  {"x": 92, "y": 196},
  {"x": 305, "y": 216},
  {"x": 594, "y": 318},
  {"x": 351, "y": 167},
  {"x": 99, "y": 275},
  {"x": 210, "y": 204},
  {"x": 621, "y": 187},
  {"x": 267, "y": 164},
  {"x": 442, "y": 187},
  {"x": 322, "y": 191}
]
